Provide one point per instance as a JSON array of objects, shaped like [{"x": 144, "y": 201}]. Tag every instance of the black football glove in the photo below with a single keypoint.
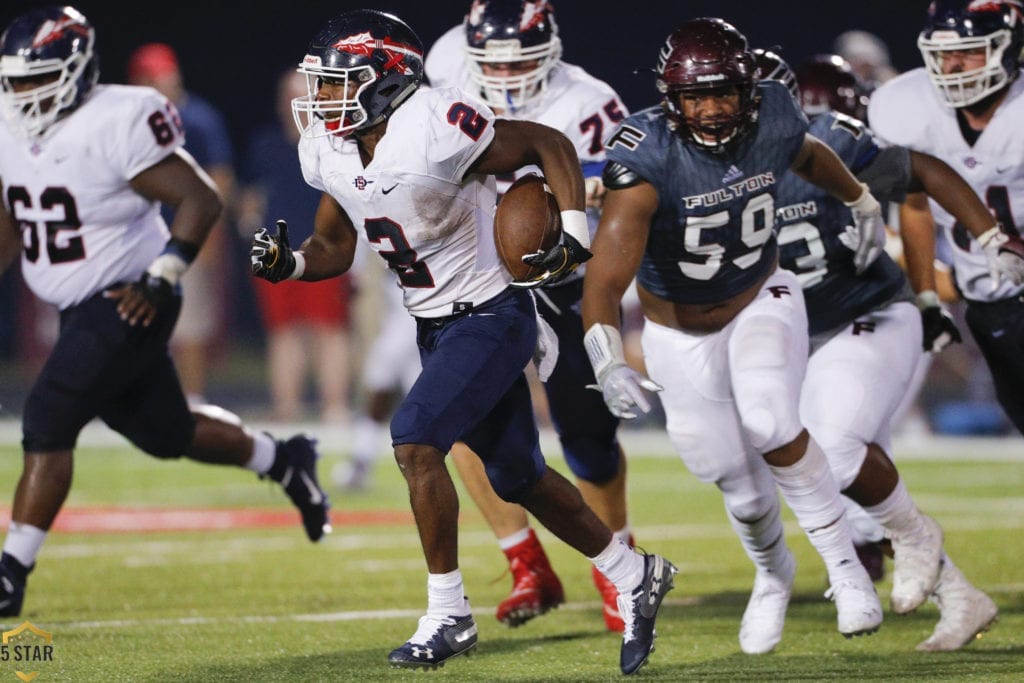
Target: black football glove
[
  {"x": 556, "y": 263},
  {"x": 939, "y": 329},
  {"x": 271, "y": 255}
]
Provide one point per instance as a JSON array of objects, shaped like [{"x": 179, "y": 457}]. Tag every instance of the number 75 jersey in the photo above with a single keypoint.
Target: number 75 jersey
[
  {"x": 712, "y": 235},
  {"x": 83, "y": 227}
]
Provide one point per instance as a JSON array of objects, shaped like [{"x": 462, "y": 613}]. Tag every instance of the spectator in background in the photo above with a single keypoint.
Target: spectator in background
[
  {"x": 207, "y": 140},
  {"x": 273, "y": 188},
  {"x": 867, "y": 54}
]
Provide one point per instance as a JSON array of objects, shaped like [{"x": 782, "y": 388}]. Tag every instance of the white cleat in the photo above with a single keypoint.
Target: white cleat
[
  {"x": 916, "y": 564},
  {"x": 859, "y": 611},
  {"x": 765, "y": 616},
  {"x": 966, "y": 612}
]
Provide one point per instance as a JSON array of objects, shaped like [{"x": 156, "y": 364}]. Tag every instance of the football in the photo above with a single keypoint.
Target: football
[{"x": 527, "y": 220}]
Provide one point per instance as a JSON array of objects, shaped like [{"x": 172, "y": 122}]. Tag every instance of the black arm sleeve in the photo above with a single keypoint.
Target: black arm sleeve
[
  {"x": 617, "y": 177},
  {"x": 888, "y": 175}
]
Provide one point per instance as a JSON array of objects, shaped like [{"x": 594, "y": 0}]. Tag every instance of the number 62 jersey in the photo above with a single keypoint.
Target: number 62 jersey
[{"x": 83, "y": 227}]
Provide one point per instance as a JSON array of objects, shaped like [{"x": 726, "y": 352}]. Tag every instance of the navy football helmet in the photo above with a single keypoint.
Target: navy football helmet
[
  {"x": 772, "y": 67},
  {"x": 827, "y": 83},
  {"x": 708, "y": 55},
  {"x": 378, "y": 59},
  {"x": 995, "y": 26},
  {"x": 507, "y": 32},
  {"x": 47, "y": 67}
]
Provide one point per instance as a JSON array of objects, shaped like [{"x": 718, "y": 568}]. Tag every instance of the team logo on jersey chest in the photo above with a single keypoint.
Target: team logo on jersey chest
[
  {"x": 360, "y": 183},
  {"x": 730, "y": 192}
]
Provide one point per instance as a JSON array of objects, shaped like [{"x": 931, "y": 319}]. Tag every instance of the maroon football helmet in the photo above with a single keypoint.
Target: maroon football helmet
[
  {"x": 827, "y": 83},
  {"x": 772, "y": 67},
  {"x": 701, "y": 56}
]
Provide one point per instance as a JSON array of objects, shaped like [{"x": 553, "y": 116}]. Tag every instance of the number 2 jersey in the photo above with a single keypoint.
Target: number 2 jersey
[
  {"x": 810, "y": 222},
  {"x": 908, "y": 111},
  {"x": 414, "y": 202},
  {"x": 82, "y": 225},
  {"x": 712, "y": 235}
]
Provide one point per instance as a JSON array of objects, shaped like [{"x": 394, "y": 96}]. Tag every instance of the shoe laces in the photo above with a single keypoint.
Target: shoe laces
[{"x": 429, "y": 626}]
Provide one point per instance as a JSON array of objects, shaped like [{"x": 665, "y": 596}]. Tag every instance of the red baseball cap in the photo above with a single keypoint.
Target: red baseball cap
[{"x": 151, "y": 61}]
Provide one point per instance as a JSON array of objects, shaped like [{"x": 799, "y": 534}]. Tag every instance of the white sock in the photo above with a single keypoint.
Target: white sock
[
  {"x": 897, "y": 513},
  {"x": 514, "y": 539},
  {"x": 367, "y": 436},
  {"x": 764, "y": 539},
  {"x": 812, "y": 494},
  {"x": 23, "y": 542},
  {"x": 621, "y": 565},
  {"x": 625, "y": 534},
  {"x": 446, "y": 595},
  {"x": 263, "y": 450}
]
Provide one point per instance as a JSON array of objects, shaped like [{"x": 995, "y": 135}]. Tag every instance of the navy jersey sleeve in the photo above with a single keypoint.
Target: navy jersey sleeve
[
  {"x": 640, "y": 144},
  {"x": 781, "y": 122}
]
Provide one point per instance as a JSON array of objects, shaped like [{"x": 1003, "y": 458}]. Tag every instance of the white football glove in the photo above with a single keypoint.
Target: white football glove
[
  {"x": 621, "y": 386},
  {"x": 1005, "y": 254},
  {"x": 866, "y": 237}
]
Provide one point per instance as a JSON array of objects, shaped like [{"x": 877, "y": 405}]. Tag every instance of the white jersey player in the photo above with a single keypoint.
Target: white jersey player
[
  {"x": 509, "y": 53},
  {"x": 83, "y": 170},
  {"x": 409, "y": 170},
  {"x": 965, "y": 108}
]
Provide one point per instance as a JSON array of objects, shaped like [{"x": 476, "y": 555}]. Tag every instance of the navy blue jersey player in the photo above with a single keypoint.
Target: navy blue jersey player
[
  {"x": 866, "y": 338},
  {"x": 690, "y": 211}
]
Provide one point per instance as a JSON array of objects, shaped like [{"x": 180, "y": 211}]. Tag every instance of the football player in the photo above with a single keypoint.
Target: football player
[
  {"x": 411, "y": 170},
  {"x": 964, "y": 107},
  {"x": 84, "y": 168},
  {"x": 867, "y": 336},
  {"x": 508, "y": 52},
  {"x": 690, "y": 211}
]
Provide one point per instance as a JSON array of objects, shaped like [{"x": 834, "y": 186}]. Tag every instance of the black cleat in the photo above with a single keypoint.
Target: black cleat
[
  {"x": 12, "y": 586},
  {"x": 639, "y": 610},
  {"x": 436, "y": 641},
  {"x": 295, "y": 469}
]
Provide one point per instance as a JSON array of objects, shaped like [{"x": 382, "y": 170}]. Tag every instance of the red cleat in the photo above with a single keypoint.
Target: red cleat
[{"x": 535, "y": 586}]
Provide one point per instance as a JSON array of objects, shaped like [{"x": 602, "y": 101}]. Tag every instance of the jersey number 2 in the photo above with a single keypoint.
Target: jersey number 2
[{"x": 401, "y": 258}]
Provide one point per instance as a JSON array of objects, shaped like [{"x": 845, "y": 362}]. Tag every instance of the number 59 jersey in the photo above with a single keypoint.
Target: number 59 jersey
[
  {"x": 712, "y": 235},
  {"x": 415, "y": 202},
  {"x": 83, "y": 227}
]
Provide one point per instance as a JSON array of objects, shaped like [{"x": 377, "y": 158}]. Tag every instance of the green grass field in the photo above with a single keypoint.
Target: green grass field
[{"x": 262, "y": 604}]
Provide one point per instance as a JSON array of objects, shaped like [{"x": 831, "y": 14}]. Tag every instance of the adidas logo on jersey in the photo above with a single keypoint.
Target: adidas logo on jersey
[{"x": 732, "y": 175}]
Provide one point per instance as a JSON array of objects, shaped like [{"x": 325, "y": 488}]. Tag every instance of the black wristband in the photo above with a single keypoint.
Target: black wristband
[{"x": 186, "y": 250}]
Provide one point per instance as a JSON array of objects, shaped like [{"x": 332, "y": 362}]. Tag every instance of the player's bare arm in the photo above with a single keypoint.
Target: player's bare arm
[
  {"x": 618, "y": 250},
  {"x": 523, "y": 143},
  {"x": 179, "y": 182},
  {"x": 951, "y": 192},
  {"x": 332, "y": 246},
  {"x": 10, "y": 238}
]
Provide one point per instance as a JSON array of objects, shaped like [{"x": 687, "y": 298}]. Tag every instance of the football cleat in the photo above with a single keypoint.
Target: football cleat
[
  {"x": 765, "y": 616},
  {"x": 295, "y": 469},
  {"x": 12, "y": 587},
  {"x": 437, "y": 640},
  {"x": 858, "y": 609},
  {"x": 639, "y": 609},
  {"x": 351, "y": 476},
  {"x": 917, "y": 560},
  {"x": 966, "y": 612},
  {"x": 536, "y": 588}
]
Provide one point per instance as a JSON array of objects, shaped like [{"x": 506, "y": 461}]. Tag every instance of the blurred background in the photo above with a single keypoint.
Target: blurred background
[{"x": 233, "y": 55}]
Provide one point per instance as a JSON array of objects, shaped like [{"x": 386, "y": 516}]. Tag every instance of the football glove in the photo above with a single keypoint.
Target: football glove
[
  {"x": 866, "y": 237},
  {"x": 556, "y": 263},
  {"x": 271, "y": 256},
  {"x": 621, "y": 386},
  {"x": 939, "y": 329},
  {"x": 1005, "y": 254}
]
